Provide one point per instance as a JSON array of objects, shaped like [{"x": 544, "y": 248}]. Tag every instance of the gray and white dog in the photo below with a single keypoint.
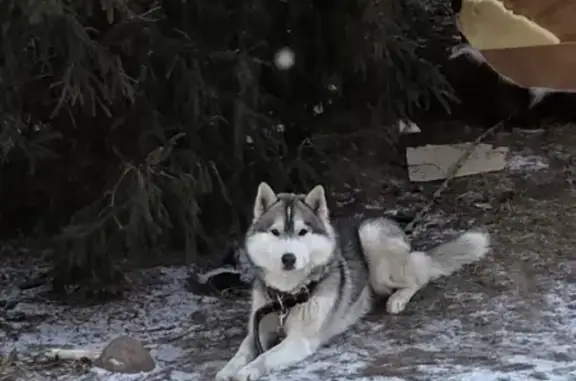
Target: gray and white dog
[{"x": 293, "y": 246}]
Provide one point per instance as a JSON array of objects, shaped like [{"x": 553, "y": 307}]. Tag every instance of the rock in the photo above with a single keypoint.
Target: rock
[{"x": 125, "y": 355}]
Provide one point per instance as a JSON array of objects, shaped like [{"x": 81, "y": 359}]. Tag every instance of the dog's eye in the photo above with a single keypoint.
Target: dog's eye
[
  {"x": 302, "y": 232},
  {"x": 275, "y": 232}
]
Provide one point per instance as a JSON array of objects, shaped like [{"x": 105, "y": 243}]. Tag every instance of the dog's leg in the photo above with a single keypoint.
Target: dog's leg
[
  {"x": 292, "y": 350},
  {"x": 379, "y": 287},
  {"x": 397, "y": 301},
  {"x": 385, "y": 249},
  {"x": 411, "y": 276},
  {"x": 247, "y": 350},
  {"x": 305, "y": 334},
  {"x": 244, "y": 355}
]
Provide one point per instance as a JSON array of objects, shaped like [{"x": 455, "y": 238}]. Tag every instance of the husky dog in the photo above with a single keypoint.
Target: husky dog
[{"x": 292, "y": 246}]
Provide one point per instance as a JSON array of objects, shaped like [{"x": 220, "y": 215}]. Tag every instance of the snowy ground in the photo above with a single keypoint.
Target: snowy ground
[
  {"x": 510, "y": 338},
  {"x": 511, "y": 317}
]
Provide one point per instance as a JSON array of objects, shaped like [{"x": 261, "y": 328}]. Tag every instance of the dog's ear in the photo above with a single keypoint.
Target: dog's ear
[
  {"x": 316, "y": 200},
  {"x": 264, "y": 199}
]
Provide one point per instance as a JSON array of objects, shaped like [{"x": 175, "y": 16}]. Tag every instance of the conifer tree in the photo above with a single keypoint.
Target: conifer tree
[{"x": 132, "y": 128}]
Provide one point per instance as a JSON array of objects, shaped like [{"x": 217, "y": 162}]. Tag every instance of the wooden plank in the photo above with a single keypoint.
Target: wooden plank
[
  {"x": 552, "y": 66},
  {"x": 488, "y": 24},
  {"x": 434, "y": 162},
  {"x": 555, "y": 15}
]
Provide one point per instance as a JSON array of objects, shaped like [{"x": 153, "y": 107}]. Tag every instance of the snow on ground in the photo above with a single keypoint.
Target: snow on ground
[
  {"x": 526, "y": 163},
  {"x": 147, "y": 316},
  {"x": 507, "y": 339},
  {"x": 449, "y": 333}
]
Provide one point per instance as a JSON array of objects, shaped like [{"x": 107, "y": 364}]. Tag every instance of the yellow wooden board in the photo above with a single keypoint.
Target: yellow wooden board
[
  {"x": 533, "y": 42},
  {"x": 552, "y": 66},
  {"x": 557, "y": 16}
]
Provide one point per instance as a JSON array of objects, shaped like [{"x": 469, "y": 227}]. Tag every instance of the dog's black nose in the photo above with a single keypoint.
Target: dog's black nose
[{"x": 288, "y": 260}]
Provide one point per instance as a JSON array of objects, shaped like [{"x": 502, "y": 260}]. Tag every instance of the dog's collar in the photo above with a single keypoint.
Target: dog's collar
[
  {"x": 281, "y": 302},
  {"x": 289, "y": 298}
]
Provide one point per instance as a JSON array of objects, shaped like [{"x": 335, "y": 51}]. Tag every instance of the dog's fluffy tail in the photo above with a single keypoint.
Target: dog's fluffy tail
[{"x": 449, "y": 257}]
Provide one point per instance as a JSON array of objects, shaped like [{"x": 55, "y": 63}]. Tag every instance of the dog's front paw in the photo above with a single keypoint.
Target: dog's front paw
[
  {"x": 249, "y": 373},
  {"x": 225, "y": 374},
  {"x": 396, "y": 304}
]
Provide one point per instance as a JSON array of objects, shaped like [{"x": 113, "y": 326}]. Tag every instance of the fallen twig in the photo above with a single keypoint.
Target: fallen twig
[
  {"x": 452, "y": 173},
  {"x": 73, "y": 354}
]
